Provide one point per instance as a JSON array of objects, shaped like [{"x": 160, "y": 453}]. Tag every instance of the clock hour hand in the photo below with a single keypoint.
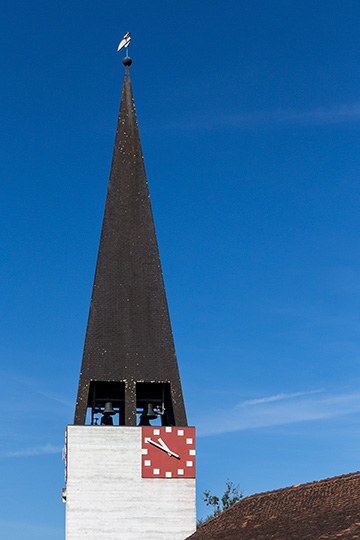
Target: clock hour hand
[{"x": 168, "y": 449}]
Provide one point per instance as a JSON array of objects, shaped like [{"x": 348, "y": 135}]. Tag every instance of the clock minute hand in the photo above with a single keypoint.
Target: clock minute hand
[{"x": 162, "y": 448}]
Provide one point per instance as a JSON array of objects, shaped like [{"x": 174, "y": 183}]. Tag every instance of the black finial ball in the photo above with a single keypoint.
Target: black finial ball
[{"x": 127, "y": 61}]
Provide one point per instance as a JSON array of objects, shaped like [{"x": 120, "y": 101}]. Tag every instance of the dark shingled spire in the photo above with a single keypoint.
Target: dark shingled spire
[{"x": 129, "y": 337}]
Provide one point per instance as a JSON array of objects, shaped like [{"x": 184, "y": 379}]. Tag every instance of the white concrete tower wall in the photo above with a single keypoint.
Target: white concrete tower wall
[{"x": 107, "y": 498}]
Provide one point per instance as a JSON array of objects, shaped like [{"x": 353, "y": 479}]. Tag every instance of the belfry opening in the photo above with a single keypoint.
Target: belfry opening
[{"x": 106, "y": 404}]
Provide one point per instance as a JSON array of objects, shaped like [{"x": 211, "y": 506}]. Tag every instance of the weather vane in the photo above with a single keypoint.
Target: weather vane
[{"x": 125, "y": 42}]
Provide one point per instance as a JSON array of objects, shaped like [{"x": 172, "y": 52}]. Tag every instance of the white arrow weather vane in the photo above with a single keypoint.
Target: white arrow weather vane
[{"x": 125, "y": 42}]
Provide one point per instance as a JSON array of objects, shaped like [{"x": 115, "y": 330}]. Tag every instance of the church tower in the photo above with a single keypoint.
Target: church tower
[{"x": 130, "y": 455}]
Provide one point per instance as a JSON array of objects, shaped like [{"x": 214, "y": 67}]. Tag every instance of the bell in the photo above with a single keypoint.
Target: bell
[
  {"x": 108, "y": 409},
  {"x": 147, "y": 415}
]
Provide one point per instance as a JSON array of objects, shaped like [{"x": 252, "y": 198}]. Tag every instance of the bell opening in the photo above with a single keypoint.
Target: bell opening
[
  {"x": 106, "y": 404},
  {"x": 154, "y": 405}
]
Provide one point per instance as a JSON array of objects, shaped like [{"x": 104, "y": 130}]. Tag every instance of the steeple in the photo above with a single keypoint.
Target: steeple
[{"x": 129, "y": 357}]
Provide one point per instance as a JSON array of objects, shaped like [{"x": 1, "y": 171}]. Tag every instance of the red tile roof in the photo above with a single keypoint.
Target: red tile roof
[{"x": 323, "y": 510}]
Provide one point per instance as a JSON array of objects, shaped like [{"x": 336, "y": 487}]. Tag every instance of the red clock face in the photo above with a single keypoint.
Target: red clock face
[{"x": 168, "y": 452}]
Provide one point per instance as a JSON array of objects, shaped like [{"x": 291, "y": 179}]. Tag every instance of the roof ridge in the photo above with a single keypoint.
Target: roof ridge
[{"x": 306, "y": 485}]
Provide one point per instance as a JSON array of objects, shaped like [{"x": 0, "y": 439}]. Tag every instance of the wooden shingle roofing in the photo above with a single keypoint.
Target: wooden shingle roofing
[
  {"x": 129, "y": 336},
  {"x": 325, "y": 510}
]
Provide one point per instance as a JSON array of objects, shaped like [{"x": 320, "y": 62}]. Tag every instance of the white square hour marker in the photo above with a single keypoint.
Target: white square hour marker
[
  {"x": 168, "y": 429},
  {"x": 156, "y": 431},
  {"x": 192, "y": 452},
  {"x": 181, "y": 432},
  {"x": 144, "y": 451},
  {"x": 180, "y": 472},
  {"x": 156, "y": 471},
  {"x": 147, "y": 439},
  {"x": 189, "y": 441},
  {"x": 147, "y": 462},
  {"x": 168, "y": 475},
  {"x": 189, "y": 463}
]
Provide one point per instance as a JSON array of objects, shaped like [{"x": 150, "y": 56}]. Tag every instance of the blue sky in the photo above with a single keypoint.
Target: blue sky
[{"x": 249, "y": 114}]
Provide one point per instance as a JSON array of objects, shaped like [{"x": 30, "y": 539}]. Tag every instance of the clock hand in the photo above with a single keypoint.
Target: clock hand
[
  {"x": 155, "y": 444},
  {"x": 168, "y": 449},
  {"x": 162, "y": 448}
]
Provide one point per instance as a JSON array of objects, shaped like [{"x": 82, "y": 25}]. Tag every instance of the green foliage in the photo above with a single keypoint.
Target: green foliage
[{"x": 231, "y": 495}]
